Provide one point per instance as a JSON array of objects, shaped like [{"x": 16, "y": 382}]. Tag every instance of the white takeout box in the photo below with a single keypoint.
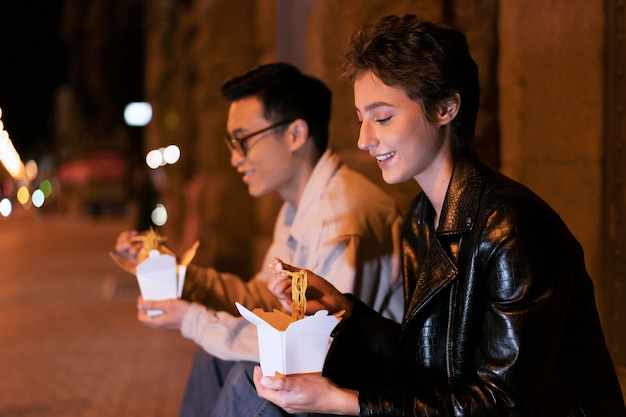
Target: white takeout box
[
  {"x": 159, "y": 278},
  {"x": 291, "y": 347}
]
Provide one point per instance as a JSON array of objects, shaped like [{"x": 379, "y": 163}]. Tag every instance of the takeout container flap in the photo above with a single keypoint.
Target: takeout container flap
[{"x": 291, "y": 347}]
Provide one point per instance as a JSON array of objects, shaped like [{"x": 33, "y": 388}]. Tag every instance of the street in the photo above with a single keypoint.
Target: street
[{"x": 70, "y": 344}]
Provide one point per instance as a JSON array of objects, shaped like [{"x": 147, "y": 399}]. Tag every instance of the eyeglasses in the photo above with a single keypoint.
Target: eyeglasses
[{"x": 239, "y": 144}]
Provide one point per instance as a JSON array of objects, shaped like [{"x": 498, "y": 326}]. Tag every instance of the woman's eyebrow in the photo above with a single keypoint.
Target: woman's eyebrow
[{"x": 377, "y": 104}]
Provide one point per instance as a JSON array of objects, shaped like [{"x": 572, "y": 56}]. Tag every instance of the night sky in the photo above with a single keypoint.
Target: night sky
[{"x": 31, "y": 69}]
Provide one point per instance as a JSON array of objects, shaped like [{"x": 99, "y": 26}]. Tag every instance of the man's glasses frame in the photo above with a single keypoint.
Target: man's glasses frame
[{"x": 239, "y": 144}]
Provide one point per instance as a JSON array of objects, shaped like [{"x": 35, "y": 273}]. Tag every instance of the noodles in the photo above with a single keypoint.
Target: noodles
[
  {"x": 150, "y": 240},
  {"x": 298, "y": 293}
]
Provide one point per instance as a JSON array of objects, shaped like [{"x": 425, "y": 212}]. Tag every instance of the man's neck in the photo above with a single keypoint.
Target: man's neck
[{"x": 293, "y": 192}]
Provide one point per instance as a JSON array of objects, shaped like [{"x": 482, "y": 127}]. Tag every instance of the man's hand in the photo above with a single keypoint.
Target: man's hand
[
  {"x": 172, "y": 317},
  {"x": 128, "y": 246}
]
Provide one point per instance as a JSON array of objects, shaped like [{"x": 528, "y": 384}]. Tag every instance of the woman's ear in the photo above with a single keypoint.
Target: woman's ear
[
  {"x": 448, "y": 109},
  {"x": 298, "y": 132}
]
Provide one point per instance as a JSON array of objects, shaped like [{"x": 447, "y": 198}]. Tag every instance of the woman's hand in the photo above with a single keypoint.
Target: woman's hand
[
  {"x": 306, "y": 394},
  {"x": 320, "y": 294}
]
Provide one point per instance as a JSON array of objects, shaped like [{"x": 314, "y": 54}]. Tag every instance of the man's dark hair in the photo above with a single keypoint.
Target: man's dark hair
[
  {"x": 286, "y": 94},
  {"x": 430, "y": 62}
]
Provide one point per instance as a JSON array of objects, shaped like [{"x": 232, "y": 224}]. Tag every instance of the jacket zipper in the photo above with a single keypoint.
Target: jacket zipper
[{"x": 449, "y": 335}]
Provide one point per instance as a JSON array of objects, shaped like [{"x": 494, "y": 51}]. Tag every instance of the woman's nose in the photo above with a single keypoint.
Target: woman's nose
[{"x": 367, "y": 140}]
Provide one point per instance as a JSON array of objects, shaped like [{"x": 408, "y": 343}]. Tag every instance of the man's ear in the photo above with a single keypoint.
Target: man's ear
[
  {"x": 298, "y": 134},
  {"x": 448, "y": 109}
]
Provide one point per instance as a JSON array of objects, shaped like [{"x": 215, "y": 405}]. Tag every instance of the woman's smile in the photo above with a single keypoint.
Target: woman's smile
[{"x": 384, "y": 159}]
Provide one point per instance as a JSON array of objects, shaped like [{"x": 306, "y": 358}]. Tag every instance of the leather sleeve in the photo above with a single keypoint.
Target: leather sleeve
[{"x": 364, "y": 349}]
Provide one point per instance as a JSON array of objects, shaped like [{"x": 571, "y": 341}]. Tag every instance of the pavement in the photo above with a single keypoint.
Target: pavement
[{"x": 70, "y": 344}]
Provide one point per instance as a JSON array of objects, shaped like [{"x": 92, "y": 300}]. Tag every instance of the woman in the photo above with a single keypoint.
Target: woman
[{"x": 500, "y": 313}]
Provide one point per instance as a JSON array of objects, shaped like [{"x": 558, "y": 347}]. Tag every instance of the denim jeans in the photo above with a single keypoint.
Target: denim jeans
[
  {"x": 206, "y": 378},
  {"x": 238, "y": 397}
]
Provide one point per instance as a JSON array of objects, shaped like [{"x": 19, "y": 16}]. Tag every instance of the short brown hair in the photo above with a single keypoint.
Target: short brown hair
[{"x": 430, "y": 61}]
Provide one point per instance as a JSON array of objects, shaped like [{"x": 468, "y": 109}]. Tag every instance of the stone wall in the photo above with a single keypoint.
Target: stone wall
[
  {"x": 551, "y": 80},
  {"x": 192, "y": 46},
  {"x": 553, "y": 106},
  {"x": 541, "y": 116}
]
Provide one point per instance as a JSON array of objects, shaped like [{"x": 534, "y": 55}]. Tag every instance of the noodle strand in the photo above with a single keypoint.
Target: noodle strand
[{"x": 298, "y": 293}]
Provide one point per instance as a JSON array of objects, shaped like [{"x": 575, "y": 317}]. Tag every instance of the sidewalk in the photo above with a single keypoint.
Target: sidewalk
[{"x": 70, "y": 343}]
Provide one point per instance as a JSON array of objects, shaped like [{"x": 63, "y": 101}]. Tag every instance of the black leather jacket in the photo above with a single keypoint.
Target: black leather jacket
[{"x": 501, "y": 317}]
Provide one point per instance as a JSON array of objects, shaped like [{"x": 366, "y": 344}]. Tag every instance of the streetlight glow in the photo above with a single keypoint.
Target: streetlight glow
[{"x": 138, "y": 113}]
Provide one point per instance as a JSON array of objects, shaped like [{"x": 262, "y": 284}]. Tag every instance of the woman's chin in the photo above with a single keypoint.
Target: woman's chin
[{"x": 391, "y": 179}]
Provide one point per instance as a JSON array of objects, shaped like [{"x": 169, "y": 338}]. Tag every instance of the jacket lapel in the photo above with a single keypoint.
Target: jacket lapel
[
  {"x": 440, "y": 263},
  {"x": 438, "y": 271}
]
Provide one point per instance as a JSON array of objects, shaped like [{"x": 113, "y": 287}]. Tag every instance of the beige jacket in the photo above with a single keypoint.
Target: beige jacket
[{"x": 345, "y": 229}]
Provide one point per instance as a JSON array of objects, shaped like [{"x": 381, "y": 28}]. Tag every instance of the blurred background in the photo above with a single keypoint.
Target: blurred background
[{"x": 112, "y": 119}]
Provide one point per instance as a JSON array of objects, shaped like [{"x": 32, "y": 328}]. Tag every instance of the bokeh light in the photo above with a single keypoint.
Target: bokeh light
[
  {"x": 23, "y": 195},
  {"x": 6, "y": 207},
  {"x": 159, "y": 215},
  {"x": 138, "y": 114},
  {"x": 46, "y": 188},
  {"x": 154, "y": 158},
  {"x": 9, "y": 156},
  {"x": 163, "y": 156},
  {"x": 7, "y": 187},
  {"x": 31, "y": 170},
  {"x": 171, "y": 154},
  {"x": 38, "y": 198}
]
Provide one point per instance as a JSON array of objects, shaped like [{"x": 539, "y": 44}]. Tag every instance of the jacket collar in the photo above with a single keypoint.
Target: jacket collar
[
  {"x": 463, "y": 196},
  {"x": 323, "y": 173},
  {"x": 457, "y": 215}
]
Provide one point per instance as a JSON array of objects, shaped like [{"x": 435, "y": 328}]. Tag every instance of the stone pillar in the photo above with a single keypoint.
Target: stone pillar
[{"x": 551, "y": 110}]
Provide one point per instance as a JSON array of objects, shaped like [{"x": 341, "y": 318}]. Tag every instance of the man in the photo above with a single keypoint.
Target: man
[{"x": 333, "y": 221}]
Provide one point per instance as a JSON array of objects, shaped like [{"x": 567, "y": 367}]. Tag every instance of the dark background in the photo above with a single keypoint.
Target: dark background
[
  {"x": 92, "y": 52},
  {"x": 32, "y": 67}
]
